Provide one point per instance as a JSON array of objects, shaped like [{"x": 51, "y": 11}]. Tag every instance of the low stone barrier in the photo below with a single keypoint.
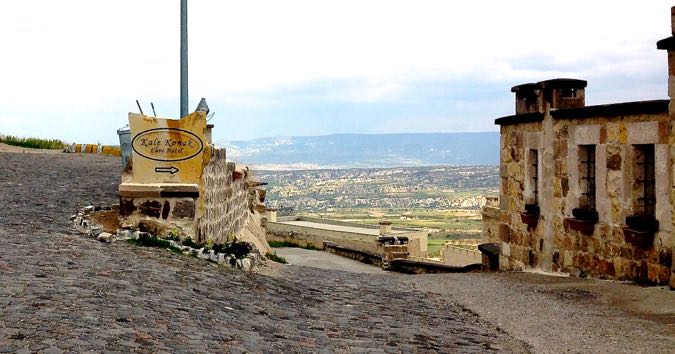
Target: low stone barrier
[
  {"x": 349, "y": 237},
  {"x": 459, "y": 256},
  {"x": 361, "y": 256},
  {"x": 108, "y": 150},
  {"x": 411, "y": 266}
]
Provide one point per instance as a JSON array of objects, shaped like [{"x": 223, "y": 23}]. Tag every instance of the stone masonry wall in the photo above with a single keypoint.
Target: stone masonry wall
[
  {"x": 518, "y": 242},
  {"x": 552, "y": 245},
  {"x": 671, "y": 94},
  {"x": 226, "y": 202},
  {"x": 490, "y": 231}
]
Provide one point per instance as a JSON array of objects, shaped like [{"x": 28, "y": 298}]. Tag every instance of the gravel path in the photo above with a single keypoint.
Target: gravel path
[
  {"x": 565, "y": 315},
  {"x": 325, "y": 260},
  {"x": 63, "y": 292}
]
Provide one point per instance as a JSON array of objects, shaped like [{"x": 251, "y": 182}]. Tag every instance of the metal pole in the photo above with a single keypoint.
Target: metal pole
[{"x": 183, "y": 59}]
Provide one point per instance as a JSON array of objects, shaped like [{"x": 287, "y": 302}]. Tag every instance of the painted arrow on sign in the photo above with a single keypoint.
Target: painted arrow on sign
[{"x": 171, "y": 170}]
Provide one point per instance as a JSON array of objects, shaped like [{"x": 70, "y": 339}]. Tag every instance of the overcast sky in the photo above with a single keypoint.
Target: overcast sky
[{"x": 73, "y": 69}]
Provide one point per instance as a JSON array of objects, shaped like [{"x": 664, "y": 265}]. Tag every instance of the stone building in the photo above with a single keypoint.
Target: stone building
[{"x": 588, "y": 190}]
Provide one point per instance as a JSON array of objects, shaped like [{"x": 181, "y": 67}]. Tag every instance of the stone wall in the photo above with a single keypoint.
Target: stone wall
[
  {"x": 490, "y": 229},
  {"x": 158, "y": 215},
  {"x": 550, "y": 243},
  {"x": 566, "y": 228},
  {"x": 459, "y": 256},
  {"x": 668, "y": 44},
  {"x": 226, "y": 204}
]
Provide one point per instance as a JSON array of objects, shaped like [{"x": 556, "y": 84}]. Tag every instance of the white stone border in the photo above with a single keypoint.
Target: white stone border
[{"x": 85, "y": 226}]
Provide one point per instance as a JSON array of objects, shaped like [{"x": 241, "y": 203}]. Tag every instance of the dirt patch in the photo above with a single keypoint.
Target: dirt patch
[{"x": 107, "y": 219}]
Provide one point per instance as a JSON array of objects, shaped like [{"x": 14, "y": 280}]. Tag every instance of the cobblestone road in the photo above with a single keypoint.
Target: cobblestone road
[{"x": 63, "y": 292}]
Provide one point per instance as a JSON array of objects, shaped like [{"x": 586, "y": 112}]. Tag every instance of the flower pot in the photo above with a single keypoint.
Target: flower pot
[
  {"x": 583, "y": 226},
  {"x": 639, "y": 238},
  {"x": 531, "y": 219}
]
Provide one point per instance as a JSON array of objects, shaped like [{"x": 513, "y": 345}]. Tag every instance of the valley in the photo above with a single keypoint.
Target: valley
[{"x": 445, "y": 200}]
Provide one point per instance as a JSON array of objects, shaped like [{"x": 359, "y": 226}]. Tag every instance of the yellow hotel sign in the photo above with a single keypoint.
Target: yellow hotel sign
[
  {"x": 167, "y": 144},
  {"x": 168, "y": 150}
]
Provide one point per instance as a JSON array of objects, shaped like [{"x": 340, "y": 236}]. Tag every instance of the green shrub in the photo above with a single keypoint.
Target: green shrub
[
  {"x": 174, "y": 235},
  {"x": 277, "y": 244},
  {"x": 189, "y": 243},
  {"x": 152, "y": 241},
  {"x": 237, "y": 249},
  {"x": 32, "y": 143},
  {"x": 275, "y": 258}
]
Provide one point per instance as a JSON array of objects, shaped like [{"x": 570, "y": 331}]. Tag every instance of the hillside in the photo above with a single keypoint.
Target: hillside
[
  {"x": 368, "y": 150},
  {"x": 440, "y": 187}
]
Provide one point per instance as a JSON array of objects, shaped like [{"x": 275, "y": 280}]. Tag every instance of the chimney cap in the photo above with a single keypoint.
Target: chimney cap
[
  {"x": 563, "y": 83},
  {"x": 551, "y": 83},
  {"x": 530, "y": 86},
  {"x": 666, "y": 43},
  {"x": 385, "y": 222}
]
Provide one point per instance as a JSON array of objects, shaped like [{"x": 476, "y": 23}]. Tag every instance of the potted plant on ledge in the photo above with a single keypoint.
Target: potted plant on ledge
[
  {"x": 583, "y": 220},
  {"x": 639, "y": 230},
  {"x": 531, "y": 215}
]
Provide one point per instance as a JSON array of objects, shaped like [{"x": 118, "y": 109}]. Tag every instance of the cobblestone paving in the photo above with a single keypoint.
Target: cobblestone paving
[{"x": 61, "y": 292}]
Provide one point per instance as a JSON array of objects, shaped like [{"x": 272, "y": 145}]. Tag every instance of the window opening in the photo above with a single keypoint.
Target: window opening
[
  {"x": 587, "y": 164},
  {"x": 534, "y": 175},
  {"x": 645, "y": 179},
  {"x": 568, "y": 92}
]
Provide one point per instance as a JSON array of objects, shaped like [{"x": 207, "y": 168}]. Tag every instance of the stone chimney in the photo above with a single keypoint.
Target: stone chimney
[
  {"x": 385, "y": 227},
  {"x": 549, "y": 94},
  {"x": 528, "y": 98},
  {"x": 563, "y": 93}
]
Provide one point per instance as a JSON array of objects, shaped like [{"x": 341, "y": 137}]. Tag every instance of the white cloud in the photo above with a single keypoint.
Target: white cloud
[{"x": 77, "y": 58}]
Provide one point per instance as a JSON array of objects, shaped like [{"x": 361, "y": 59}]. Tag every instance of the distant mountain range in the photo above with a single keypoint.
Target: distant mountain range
[{"x": 367, "y": 150}]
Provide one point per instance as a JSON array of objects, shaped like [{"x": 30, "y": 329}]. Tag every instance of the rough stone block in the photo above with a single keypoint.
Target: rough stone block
[
  {"x": 165, "y": 209},
  {"x": 506, "y": 249},
  {"x": 565, "y": 185},
  {"x": 150, "y": 208},
  {"x": 184, "y": 209},
  {"x": 663, "y": 132},
  {"x": 559, "y": 149},
  {"x": 504, "y": 232},
  {"x": 105, "y": 237},
  {"x": 127, "y": 207},
  {"x": 643, "y": 132},
  {"x": 614, "y": 162}
]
